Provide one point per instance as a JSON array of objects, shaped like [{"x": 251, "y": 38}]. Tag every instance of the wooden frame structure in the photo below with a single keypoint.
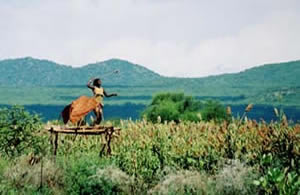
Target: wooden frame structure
[{"x": 107, "y": 131}]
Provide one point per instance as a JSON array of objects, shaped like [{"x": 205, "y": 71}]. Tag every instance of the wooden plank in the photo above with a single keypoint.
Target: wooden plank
[
  {"x": 84, "y": 131},
  {"x": 81, "y": 132},
  {"x": 80, "y": 127}
]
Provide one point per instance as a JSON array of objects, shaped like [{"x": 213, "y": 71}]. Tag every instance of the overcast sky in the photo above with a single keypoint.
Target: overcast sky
[{"x": 189, "y": 38}]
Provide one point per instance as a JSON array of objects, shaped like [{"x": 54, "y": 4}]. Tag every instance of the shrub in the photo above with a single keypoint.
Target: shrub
[
  {"x": 172, "y": 107},
  {"x": 182, "y": 182},
  {"x": 79, "y": 172},
  {"x": 177, "y": 107},
  {"x": 110, "y": 180},
  {"x": 213, "y": 110},
  {"x": 166, "y": 110},
  {"x": 23, "y": 176},
  {"x": 19, "y": 132},
  {"x": 235, "y": 178},
  {"x": 278, "y": 178}
]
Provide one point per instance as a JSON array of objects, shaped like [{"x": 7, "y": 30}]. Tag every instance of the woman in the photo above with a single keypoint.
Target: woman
[{"x": 99, "y": 93}]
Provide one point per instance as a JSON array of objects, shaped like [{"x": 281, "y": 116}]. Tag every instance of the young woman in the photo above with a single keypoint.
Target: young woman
[{"x": 99, "y": 93}]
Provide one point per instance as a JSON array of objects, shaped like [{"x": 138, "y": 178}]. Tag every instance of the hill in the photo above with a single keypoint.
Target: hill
[
  {"x": 34, "y": 72},
  {"x": 45, "y": 86},
  {"x": 266, "y": 84}
]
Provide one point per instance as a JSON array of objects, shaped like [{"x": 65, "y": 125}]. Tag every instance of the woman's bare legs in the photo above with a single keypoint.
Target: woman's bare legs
[{"x": 98, "y": 113}]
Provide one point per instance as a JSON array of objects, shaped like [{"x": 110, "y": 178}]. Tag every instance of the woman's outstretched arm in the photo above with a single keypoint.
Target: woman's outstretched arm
[
  {"x": 89, "y": 84},
  {"x": 109, "y": 95}
]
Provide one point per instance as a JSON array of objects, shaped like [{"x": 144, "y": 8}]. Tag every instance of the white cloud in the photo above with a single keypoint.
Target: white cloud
[{"x": 173, "y": 38}]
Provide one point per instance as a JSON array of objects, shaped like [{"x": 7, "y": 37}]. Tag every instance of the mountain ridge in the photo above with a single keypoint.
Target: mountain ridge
[
  {"x": 33, "y": 72},
  {"x": 261, "y": 84},
  {"x": 143, "y": 67},
  {"x": 29, "y": 71}
]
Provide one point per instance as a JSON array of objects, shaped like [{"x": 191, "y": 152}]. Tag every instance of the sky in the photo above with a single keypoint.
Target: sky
[{"x": 183, "y": 38}]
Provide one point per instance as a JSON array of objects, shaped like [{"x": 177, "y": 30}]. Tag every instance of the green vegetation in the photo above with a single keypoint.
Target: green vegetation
[
  {"x": 177, "y": 107},
  {"x": 19, "y": 132},
  {"x": 194, "y": 148},
  {"x": 236, "y": 157},
  {"x": 33, "y": 81},
  {"x": 172, "y": 107}
]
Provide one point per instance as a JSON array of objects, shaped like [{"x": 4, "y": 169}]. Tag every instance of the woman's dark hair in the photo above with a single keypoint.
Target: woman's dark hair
[{"x": 96, "y": 82}]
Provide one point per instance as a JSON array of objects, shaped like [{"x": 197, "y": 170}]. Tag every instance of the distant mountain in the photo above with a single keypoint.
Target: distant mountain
[
  {"x": 267, "y": 84},
  {"x": 34, "y": 72}
]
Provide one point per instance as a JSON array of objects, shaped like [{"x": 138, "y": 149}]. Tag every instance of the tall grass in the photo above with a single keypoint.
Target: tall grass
[{"x": 237, "y": 157}]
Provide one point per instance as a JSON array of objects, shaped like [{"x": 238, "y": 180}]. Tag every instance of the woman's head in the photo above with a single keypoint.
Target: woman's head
[{"x": 97, "y": 82}]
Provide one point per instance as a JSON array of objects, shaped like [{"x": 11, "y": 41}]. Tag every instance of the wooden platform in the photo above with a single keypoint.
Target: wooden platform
[{"x": 107, "y": 131}]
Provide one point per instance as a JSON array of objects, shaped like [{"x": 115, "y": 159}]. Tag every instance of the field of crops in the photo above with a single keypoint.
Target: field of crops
[{"x": 229, "y": 157}]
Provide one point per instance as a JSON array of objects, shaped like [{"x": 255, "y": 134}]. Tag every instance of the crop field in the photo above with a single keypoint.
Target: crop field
[{"x": 239, "y": 156}]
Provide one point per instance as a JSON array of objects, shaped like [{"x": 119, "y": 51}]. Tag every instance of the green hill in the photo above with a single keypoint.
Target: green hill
[
  {"x": 34, "y": 72},
  {"x": 267, "y": 84},
  {"x": 46, "y": 87}
]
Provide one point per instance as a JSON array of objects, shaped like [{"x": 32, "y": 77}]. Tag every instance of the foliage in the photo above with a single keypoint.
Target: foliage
[
  {"x": 172, "y": 107},
  {"x": 240, "y": 157},
  {"x": 182, "y": 182},
  {"x": 19, "y": 132},
  {"x": 235, "y": 178},
  {"x": 145, "y": 149},
  {"x": 23, "y": 176},
  {"x": 213, "y": 110},
  {"x": 112, "y": 180},
  {"x": 81, "y": 175},
  {"x": 177, "y": 107}
]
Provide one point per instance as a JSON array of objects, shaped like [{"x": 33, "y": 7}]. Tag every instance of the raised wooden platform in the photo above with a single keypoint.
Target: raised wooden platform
[{"x": 107, "y": 131}]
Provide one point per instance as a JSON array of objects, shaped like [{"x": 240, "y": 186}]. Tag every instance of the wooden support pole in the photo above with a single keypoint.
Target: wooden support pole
[
  {"x": 102, "y": 150},
  {"x": 110, "y": 132},
  {"x": 55, "y": 143}
]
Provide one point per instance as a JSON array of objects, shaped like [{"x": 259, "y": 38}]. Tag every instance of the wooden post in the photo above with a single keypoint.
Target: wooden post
[
  {"x": 55, "y": 143},
  {"x": 51, "y": 136},
  {"x": 110, "y": 132},
  {"x": 105, "y": 144}
]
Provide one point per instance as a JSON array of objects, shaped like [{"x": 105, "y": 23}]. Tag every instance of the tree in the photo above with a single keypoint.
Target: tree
[
  {"x": 19, "y": 132},
  {"x": 173, "y": 107},
  {"x": 213, "y": 110}
]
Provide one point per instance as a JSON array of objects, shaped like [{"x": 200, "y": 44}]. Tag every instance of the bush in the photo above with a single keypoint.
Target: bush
[
  {"x": 177, "y": 107},
  {"x": 111, "y": 180},
  {"x": 182, "y": 182},
  {"x": 235, "y": 178},
  {"x": 80, "y": 174},
  {"x": 19, "y": 132},
  {"x": 23, "y": 176},
  {"x": 277, "y": 178},
  {"x": 172, "y": 107},
  {"x": 213, "y": 110},
  {"x": 166, "y": 110}
]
